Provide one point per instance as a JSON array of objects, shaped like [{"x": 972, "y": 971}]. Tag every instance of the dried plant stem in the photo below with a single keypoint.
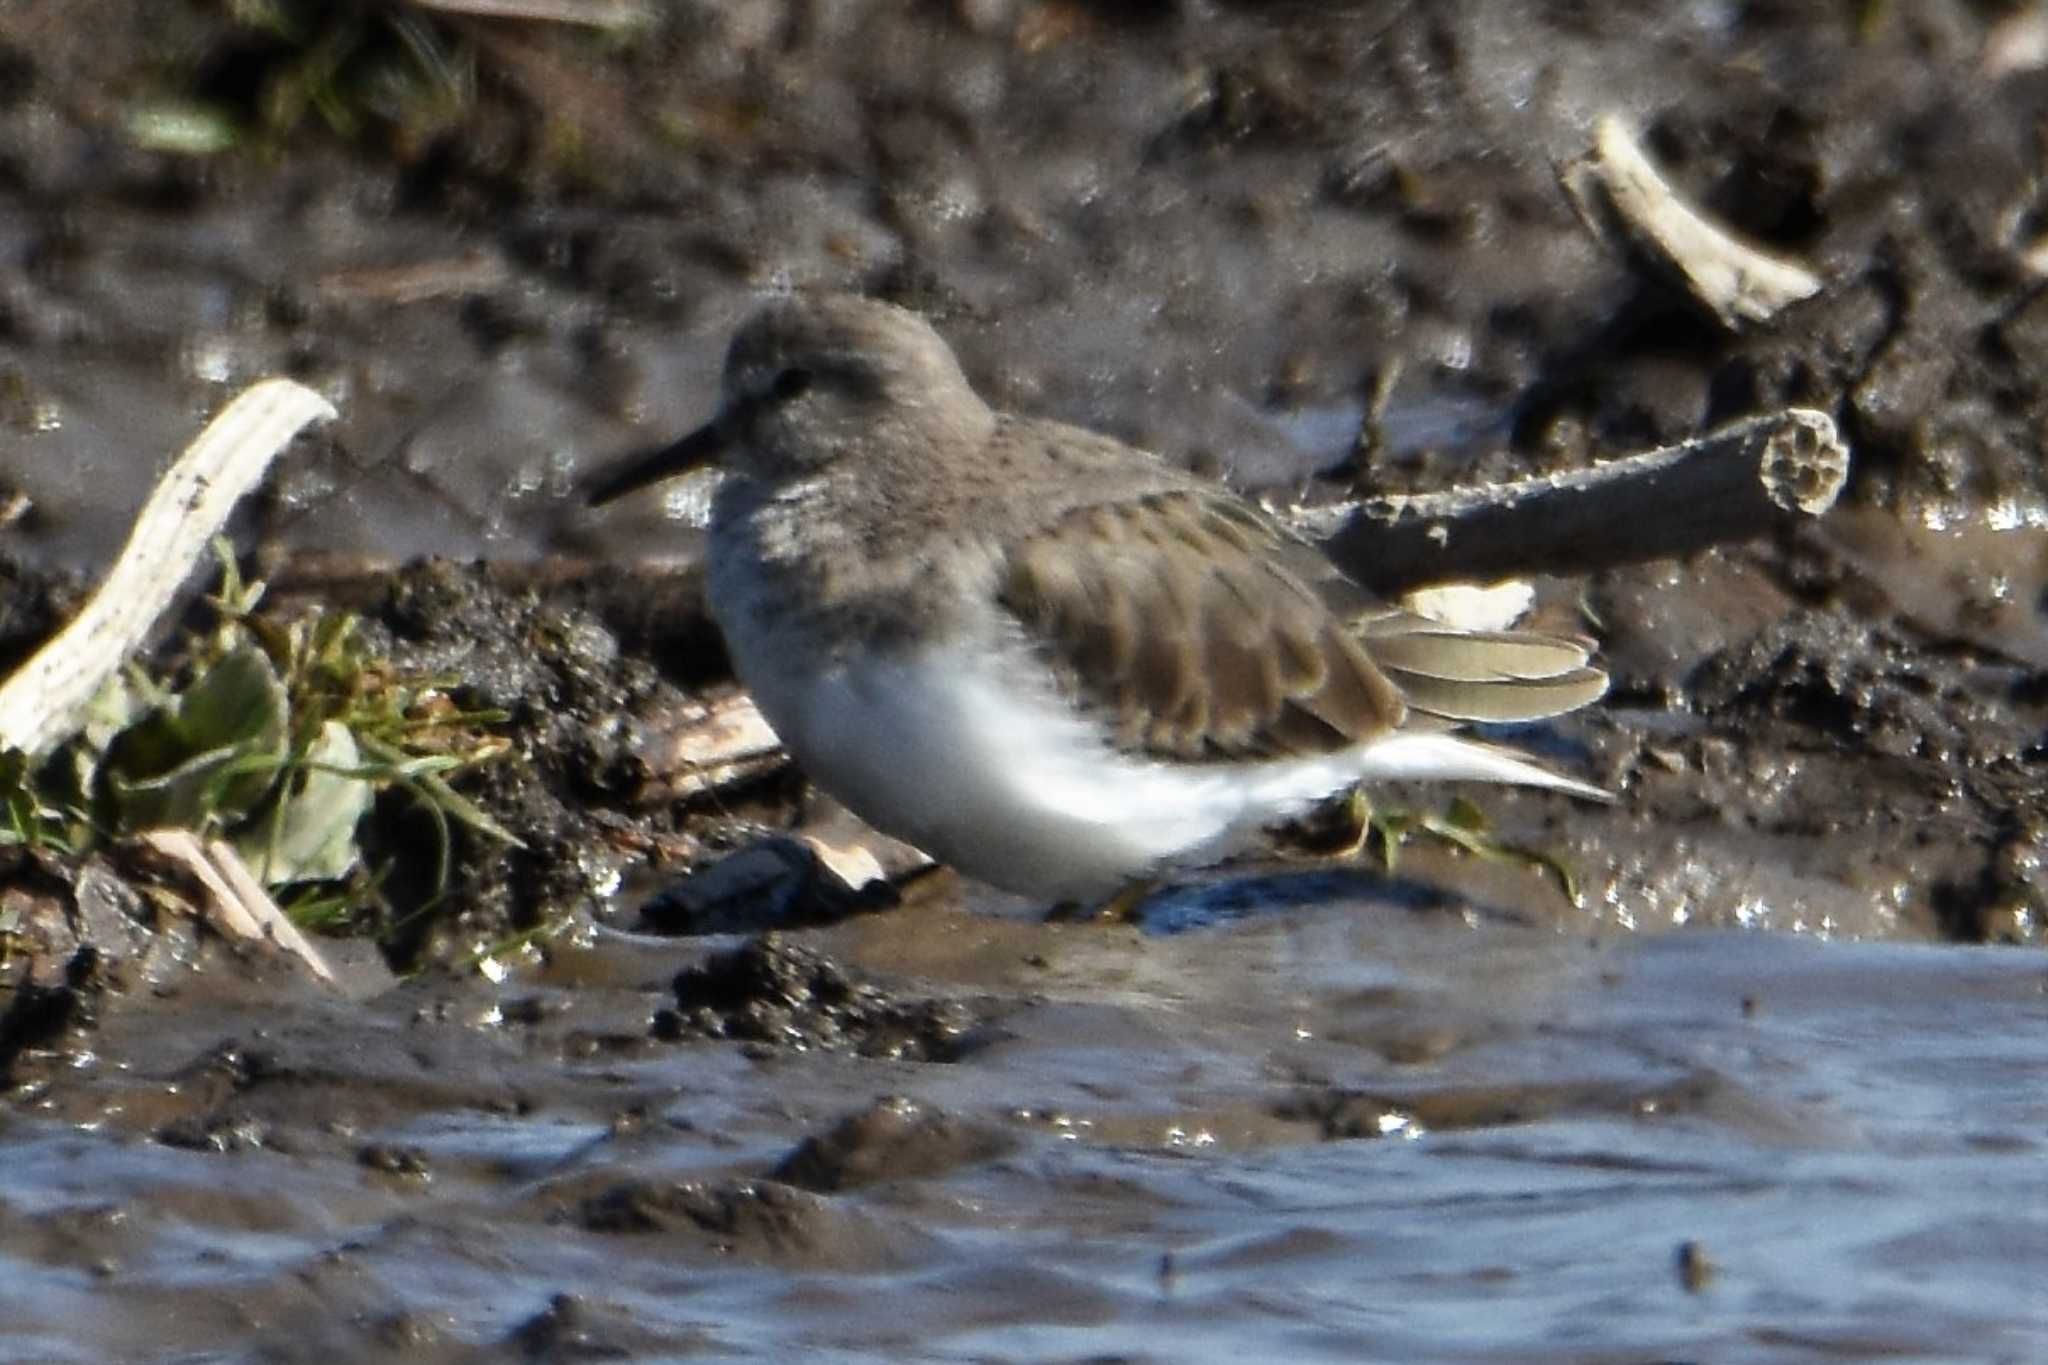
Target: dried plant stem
[
  {"x": 40, "y": 701},
  {"x": 1732, "y": 484},
  {"x": 1620, "y": 195}
]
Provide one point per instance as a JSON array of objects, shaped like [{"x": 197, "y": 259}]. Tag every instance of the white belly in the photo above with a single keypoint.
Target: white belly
[{"x": 1000, "y": 779}]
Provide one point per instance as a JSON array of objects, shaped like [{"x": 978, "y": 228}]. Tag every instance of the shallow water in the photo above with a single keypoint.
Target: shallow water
[{"x": 1143, "y": 1156}]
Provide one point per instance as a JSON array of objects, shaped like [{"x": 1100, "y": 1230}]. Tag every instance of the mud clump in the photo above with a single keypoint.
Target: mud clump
[
  {"x": 33, "y": 603},
  {"x": 1862, "y": 687},
  {"x": 53, "y": 908},
  {"x": 573, "y": 1327},
  {"x": 750, "y": 1220},
  {"x": 773, "y": 993},
  {"x": 895, "y": 1138},
  {"x": 557, "y": 674},
  {"x": 45, "y": 1026}
]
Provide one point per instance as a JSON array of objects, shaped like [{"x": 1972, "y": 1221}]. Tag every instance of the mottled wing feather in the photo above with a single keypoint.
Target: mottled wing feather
[
  {"x": 1203, "y": 629},
  {"x": 1184, "y": 617}
]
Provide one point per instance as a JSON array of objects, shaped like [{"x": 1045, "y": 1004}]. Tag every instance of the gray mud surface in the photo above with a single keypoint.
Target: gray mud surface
[{"x": 1772, "y": 1090}]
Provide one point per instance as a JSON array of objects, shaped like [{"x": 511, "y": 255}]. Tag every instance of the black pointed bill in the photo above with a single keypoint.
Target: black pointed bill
[{"x": 701, "y": 447}]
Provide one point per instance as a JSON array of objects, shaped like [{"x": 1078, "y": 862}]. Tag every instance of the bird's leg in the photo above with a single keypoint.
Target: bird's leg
[
  {"x": 1346, "y": 827},
  {"x": 1462, "y": 825},
  {"x": 1354, "y": 821},
  {"x": 1465, "y": 826},
  {"x": 1121, "y": 908}
]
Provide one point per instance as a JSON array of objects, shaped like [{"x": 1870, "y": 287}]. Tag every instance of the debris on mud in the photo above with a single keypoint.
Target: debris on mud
[
  {"x": 780, "y": 882},
  {"x": 44, "y": 1024},
  {"x": 775, "y": 993}
]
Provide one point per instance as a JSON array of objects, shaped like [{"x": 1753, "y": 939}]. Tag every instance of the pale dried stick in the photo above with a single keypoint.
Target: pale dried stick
[
  {"x": 40, "y": 702},
  {"x": 588, "y": 13},
  {"x": 241, "y": 907},
  {"x": 1735, "y": 281}
]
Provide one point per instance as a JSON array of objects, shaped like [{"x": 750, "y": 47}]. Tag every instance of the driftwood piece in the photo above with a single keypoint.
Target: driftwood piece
[
  {"x": 41, "y": 700},
  {"x": 705, "y": 746},
  {"x": 1622, "y": 198},
  {"x": 1737, "y": 483}
]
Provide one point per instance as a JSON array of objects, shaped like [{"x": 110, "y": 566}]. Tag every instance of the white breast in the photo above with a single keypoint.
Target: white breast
[{"x": 976, "y": 762}]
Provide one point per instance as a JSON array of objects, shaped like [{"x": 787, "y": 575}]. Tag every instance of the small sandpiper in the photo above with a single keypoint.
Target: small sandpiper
[{"x": 1045, "y": 657}]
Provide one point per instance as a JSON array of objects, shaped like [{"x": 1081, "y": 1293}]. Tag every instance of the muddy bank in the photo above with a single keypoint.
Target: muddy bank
[
  {"x": 1221, "y": 232},
  {"x": 1344, "y": 1129},
  {"x": 1444, "y": 1113},
  {"x": 1440, "y": 1113}
]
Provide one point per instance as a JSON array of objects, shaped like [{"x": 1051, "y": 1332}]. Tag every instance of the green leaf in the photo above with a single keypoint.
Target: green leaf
[
  {"x": 112, "y": 709},
  {"x": 20, "y": 824},
  {"x": 311, "y": 836},
  {"x": 239, "y": 701},
  {"x": 209, "y": 760},
  {"x": 422, "y": 777},
  {"x": 467, "y": 811},
  {"x": 190, "y": 795}
]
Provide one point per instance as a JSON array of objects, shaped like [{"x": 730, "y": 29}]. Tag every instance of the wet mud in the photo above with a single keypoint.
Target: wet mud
[{"x": 1769, "y": 1089}]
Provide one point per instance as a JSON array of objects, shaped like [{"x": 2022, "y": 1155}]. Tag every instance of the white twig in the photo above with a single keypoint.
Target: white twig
[
  {"x": 241, "y": 907},
  {"x": 1737, "y": 282},
  {"x": 588, "y": 13},
  {"x": 41, "y": 700}
]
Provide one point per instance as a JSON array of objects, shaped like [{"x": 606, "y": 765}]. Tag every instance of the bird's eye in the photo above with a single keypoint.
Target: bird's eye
[{"x": 789, "y": 384}]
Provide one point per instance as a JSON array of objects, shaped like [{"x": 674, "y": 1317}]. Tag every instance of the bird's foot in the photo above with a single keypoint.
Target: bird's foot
[
  {"x": 1121, "y": 908},
  {"x": 1363, "y": 830}
]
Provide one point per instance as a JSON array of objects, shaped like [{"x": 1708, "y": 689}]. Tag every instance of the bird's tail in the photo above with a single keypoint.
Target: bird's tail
[
  {"x": 1490, "y": 676},
  {"x": 1452, "y": 758}
]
